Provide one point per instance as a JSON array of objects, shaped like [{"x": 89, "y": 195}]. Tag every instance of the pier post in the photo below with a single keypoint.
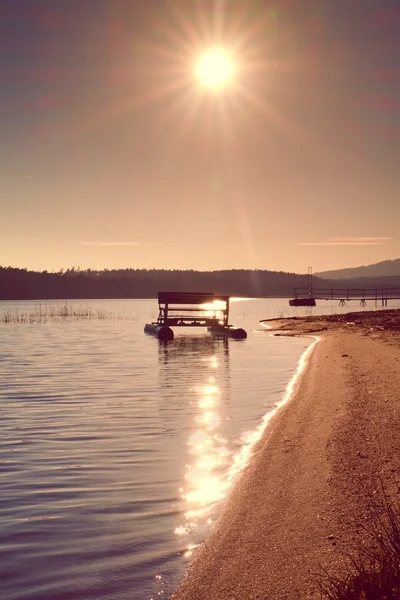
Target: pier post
[{"x": 226, "y": 314}]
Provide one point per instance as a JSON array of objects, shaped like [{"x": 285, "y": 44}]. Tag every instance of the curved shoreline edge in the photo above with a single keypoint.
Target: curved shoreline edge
[
  {"x": 302, "y": 499},
  {"x": 245, "y": 455},
  {"x": 293, "y": 382}
]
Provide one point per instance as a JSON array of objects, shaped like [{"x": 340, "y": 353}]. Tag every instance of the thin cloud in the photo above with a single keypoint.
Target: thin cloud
[
  {"x": 350, "y": 241},
  {"x": 26, "y": 176},
  {"x": 339, "y": 244},
  {"x": 115, "y": 244},
  {"x": 360, "y": 239}
]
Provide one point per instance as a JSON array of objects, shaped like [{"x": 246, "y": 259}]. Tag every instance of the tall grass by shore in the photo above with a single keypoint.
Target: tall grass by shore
[
  {"x": 374, "y": 569},
  {"x": 58, "y": 312}
]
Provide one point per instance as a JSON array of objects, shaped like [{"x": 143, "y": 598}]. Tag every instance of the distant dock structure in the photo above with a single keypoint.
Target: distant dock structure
[
  {"x": 192, "y": 309},
  {"x": 307, "y": 296},
  {"x": 344, "y": 295}
]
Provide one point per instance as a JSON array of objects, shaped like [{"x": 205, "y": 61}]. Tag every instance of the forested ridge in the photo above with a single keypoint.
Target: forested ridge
[{"x": 21, "y": 284}]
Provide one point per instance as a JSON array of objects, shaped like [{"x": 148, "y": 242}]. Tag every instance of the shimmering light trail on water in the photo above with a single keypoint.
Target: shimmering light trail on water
[{"x": 115, "y": 449}]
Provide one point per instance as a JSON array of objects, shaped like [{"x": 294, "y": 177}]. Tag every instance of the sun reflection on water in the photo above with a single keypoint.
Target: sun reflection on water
[
  {"x": 205, "y": 478},
  {"x": 212, "y": 361},
  {"x": 213, "y": 462}
]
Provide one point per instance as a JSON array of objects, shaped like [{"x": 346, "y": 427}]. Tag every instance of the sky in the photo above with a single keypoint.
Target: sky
[{"x": 113, "y": 155}]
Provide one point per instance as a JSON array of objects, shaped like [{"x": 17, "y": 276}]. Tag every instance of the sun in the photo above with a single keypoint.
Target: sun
[{"x": 215, "y": 69}]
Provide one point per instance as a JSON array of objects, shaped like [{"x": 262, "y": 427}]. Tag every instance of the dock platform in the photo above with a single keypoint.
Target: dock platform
[{"x": 302, "y": 302}]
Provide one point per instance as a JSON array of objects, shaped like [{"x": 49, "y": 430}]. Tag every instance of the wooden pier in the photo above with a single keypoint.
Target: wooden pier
[
  {"x": 379, "y": 296},
  {"x": 188, "y": 309}
]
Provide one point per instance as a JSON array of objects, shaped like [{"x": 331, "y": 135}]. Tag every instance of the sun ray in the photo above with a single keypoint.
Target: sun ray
[
  {"x": 290, "y": 128},
  {"x": 219, "y": 18}
]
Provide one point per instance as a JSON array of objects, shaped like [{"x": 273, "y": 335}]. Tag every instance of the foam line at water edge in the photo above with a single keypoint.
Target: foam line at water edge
[{"x": 243, "y": 457}]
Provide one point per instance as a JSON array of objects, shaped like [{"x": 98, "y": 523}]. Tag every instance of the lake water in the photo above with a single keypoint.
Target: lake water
[{"x": 115, "y": 449}]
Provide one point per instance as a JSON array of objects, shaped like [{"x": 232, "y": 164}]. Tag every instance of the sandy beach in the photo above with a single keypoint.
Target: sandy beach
[{"x": 305, "y": 496}]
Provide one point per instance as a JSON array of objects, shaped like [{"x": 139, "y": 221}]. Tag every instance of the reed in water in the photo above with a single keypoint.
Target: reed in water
[{"x": 59, "y": 311}]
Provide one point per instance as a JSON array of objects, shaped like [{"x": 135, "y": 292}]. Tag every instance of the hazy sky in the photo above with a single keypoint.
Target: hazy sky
[{"x": 112, "y": 154}]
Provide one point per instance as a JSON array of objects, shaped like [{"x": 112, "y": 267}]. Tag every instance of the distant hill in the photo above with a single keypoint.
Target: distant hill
[
  {"x": 20, "y": 284},
  {"x": 386, "y": 268}
]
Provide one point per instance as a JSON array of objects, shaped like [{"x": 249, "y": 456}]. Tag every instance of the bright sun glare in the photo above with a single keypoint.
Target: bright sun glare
[{"x": 215, "y": 69}]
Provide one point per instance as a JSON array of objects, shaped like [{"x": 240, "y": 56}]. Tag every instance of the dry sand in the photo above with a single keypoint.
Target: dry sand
[{"x": 306, "y": 494}]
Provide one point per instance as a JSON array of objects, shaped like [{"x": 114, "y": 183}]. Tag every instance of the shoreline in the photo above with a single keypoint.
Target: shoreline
[
  {"x": 305, "y": 494},
  {"x": 246, "y": 453}
]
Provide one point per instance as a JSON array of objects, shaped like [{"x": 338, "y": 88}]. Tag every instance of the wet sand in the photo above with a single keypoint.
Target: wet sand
[{"x": 306, "y": 494}]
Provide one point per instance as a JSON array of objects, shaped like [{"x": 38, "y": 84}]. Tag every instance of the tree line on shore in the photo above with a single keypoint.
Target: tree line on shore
[{"x": 21, "y": 284}]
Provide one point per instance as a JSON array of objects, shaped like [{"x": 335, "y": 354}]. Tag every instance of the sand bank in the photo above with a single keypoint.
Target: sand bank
[{"x": 305, "y": 494}]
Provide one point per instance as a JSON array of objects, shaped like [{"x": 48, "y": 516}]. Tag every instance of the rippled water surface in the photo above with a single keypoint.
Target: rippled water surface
[{"x": 115, "y": 448}]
